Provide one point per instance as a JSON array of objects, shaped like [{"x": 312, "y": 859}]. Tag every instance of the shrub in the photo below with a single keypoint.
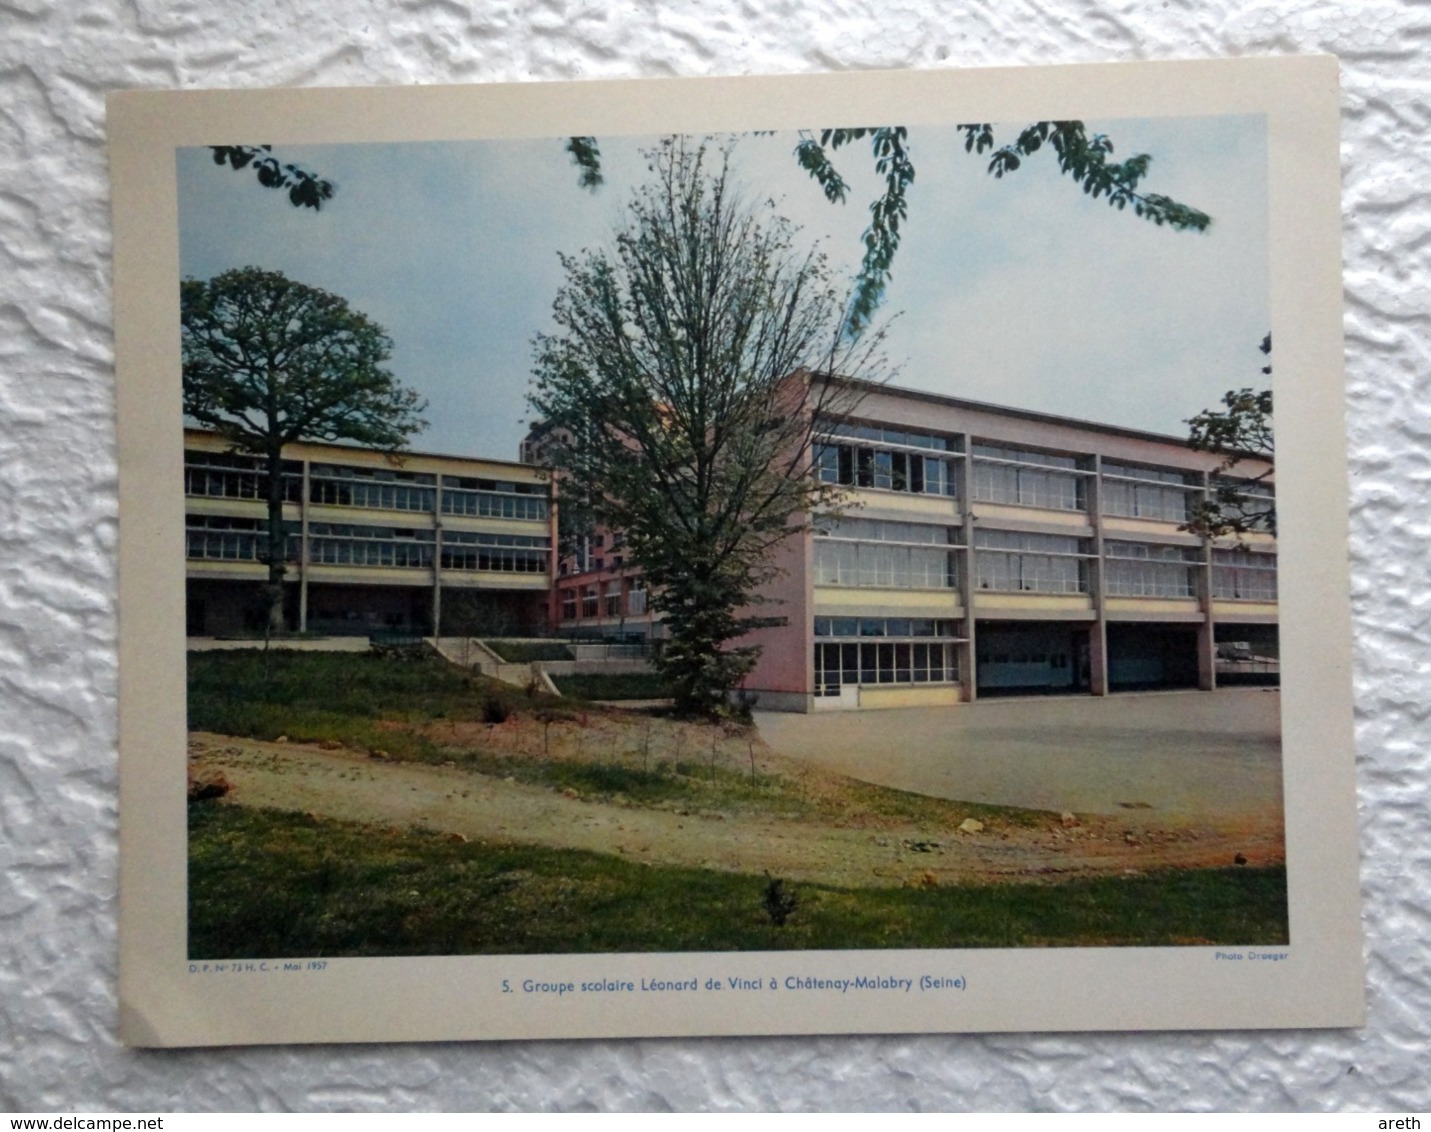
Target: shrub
[
  {"x": 496, "y": 710},
  {"x": 779, "y": 905}
]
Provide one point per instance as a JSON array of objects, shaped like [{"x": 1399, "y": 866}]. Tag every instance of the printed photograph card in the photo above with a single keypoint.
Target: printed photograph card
[{"x": 731, "y": 556}]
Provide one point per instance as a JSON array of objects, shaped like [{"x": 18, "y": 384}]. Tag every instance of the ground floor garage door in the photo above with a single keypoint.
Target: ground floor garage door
[
  {"x": 1030, "y": 657},
  {"x": 1024, "y": 658},
  {"x": 1143, "y": 656}
]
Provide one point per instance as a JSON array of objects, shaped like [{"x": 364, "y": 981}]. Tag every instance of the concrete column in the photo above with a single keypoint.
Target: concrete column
[
  {"x": 1206, "y": 658},
  {"x": 437, "y": 558},
  {"x": 1098, "y": 634},
  {"x": 1098, "y": 658},
  {"x": 303, "y": 554},
  {"x": 553, "y": 557},
  {"x": 968, "y": 677},
  {"x": 1206, "y": 638}
]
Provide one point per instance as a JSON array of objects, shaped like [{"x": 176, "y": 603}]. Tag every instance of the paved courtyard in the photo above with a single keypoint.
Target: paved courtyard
[{"x": 1190, "y": 754}]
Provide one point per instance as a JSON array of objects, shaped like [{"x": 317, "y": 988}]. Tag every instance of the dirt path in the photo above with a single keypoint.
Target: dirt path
[{"x": 353, "y": 787}]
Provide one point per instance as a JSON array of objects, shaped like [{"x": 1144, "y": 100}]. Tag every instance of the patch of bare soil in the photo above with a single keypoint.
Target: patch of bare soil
[{"x": 860, "y": 850}]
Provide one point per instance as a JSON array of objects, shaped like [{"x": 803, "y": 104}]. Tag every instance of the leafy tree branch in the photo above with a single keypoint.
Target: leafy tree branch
[
  {"x": 1238, "y": 432},
  {"x": 305, "y": 190},
  {"x": 1082, "y": 158}
]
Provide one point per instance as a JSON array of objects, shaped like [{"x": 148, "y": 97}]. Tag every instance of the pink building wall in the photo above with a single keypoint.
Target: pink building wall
[{"x": 785, "y": 668}]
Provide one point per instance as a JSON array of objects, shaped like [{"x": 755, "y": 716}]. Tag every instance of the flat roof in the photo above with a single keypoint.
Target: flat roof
[
  {"x": 1009, "y": 411},
  {"x": 401, "y": 452}
]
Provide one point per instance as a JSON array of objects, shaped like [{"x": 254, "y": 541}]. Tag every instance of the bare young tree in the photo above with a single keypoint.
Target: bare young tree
[{"x": 680, "y": 394}]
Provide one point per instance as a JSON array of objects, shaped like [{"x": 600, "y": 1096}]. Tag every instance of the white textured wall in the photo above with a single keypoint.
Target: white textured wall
[{"x": 57, "y": 536}]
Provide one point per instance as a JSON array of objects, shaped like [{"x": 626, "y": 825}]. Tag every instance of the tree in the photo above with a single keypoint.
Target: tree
[
  {"x": 268, "y": 361},
  {"x": 678, "y": 410},
  {"x": 1240, "y": 431}
]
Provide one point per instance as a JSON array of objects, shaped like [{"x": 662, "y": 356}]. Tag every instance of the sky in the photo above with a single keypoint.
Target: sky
[{"x": 1019, "y": 291}]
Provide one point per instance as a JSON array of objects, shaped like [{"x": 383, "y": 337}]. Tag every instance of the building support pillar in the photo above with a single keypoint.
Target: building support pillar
[
  {"x": 1098, "y": 632},
  {"x": 437, "y": 558},
  {"x": 1206, "y": 656},
  {"x": 303, "y": 554},
  {"x": 1206, "y": 635},
  {"x": 968, "y": 651},
  {"x": 969, "y": 685},
  {"x": 1098, "y": 657}
]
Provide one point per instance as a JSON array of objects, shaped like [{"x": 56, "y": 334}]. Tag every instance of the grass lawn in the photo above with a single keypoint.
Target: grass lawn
[
  {"x": 412, "y": 709},
  {"x": 313, "y": 696},
  {"x": 270, "y": 884},
  {"x": 264, "y": 883}
]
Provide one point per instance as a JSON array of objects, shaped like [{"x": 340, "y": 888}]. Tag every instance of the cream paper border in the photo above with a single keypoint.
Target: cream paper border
[{"x": 354, "y": 1000}]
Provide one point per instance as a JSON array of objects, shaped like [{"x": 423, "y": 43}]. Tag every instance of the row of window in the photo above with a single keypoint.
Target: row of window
[
  {"x": 586, "y": 553},
  {"x": 226, "y": 476},
  {"x": 374, "y": 496},
  {"x": 1029, "y": 573},
  {"x": 892, "y": 555},
  {"x": 493, "y": 505},
  {"x": 216, "y": 478},
  {"x": 391, "y": 551},
  {"x": 884, "y": 553},
  {"x": 877, "y": 663},
  {"x": 884, "y": 530},
  {"x": 228, "y": 538},
  {"x": 885, "y": 567},
  {"x": 1019, "y": 562},
  {"x": 1147, "y": 579},
  {"x": 1167, "y": 574},
  {"x": 1148, "y": 493},
  {"x": 510, "y": 554},
  {"x": 598, "y": 600},
  {"x": 892, "y": 437},
  {"x": 229, "y": 546},
  {"x": 506, "y": 560},
  {"x": 241, "y": 540},
  {"x": 1028, "y": 487},
  {"x": 852, "y": 465},
  {"x": 912, "y": 627},
  {"x": 1146, "y": 501},
  {"x": 1139, "y": 569},
  {"x": 1035, "y": 483},
  {"x": 1240, "y": 575},
  {"x": 1007, "y": 475}
]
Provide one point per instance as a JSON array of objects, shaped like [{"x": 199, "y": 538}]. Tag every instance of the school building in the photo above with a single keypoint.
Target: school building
[
  {"x": 980, "y": 551},
  {"x": 410, "y": 544}
]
